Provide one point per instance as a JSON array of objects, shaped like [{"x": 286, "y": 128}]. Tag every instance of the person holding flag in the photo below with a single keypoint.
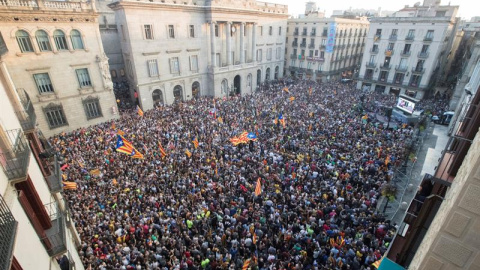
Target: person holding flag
[
  {"x": 195, "y": 142},
  {"x": 139, "y": 111},
  {"x": 258, "y": 188}
]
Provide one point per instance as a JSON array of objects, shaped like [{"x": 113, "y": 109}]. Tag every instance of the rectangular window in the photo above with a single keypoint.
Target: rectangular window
[
  {"x": 61, "y": 42},
  {"x": 148, "y": 29},
  {"x": 83, "y": 78},
  {"x": 261, "y": 30},
  {"x": 390, "y": 46},
  {"x": 55, "y": 116},
  {"x": 322, "y": 54},
  {"x": 270, "y": 30},
  {"x": 279, "y": 30},
  {"x": 191, "y": 30},
  {"x": 425, "y": 48},
  {"x": 310, "y": 54},
  {"x": 429, "y": 34},
  {"x": 152, "y": 67},
  {"x": 123, "y": 32},
  {"x": 403, "y": 63},
  {"x": 411, "y": 33},
  {"x": 194, "y": 63},
  {"x": 372, "y": 59},
  {"x": 279, "y": 53},
  {"x": 174, "y": 65},
  {"x": 44, "y": 85},
  {"x": 316, "y": 52},
  {"x": 394, "y": 32},
  {"x": 92, "y": 108},
  {"x": 406, "y": 49},
  {"x": 259, "y": 55},
  {"x": 171, "y": 31},
  {"x": 216, "y": 30}
]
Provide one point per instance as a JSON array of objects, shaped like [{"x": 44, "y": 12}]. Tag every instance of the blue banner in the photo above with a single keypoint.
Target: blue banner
[{"x": 331, "y": 37}]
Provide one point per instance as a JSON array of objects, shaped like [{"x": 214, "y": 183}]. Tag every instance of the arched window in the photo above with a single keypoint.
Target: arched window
[
  {"x": 76, "y": 38},
  {"x": 60, "y": 40},
  {"x": 43, "y": 41},
  {"x": 24, "y": 41}
]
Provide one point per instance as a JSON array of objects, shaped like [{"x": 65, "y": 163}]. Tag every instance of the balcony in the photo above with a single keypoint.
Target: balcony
[
  {"x": 54, "y": 180},
  {"x": 303, "y": 45},
  {"x": 418, "y": 70},
  {"x": 304, "y": 33},
  {"x": 27, "y": 117},
  {"x": 324, "y": 34},
  {"x": 405, "y": 53},
  {"x": 292, "y": 68},
  {"x": 295, "y": 44},
  {"x": 385, "y": 67},
  {"x": 15, "y": 158},
  {"x": 389, "y": 52},
  {"x": 401, "y": 68},
  {"x": 311, "y": 45},
  {"x": 398, "y": 81},
  {"x": 8, "y": 232},
  {"x": 428, "y": 39},
  {"x": 55, "y": 240},
  {"x": 295, "y": 33},
  {"x": 309, "y": 71},
  {"x": 370, "y": 65},
  {"x": 313, "y": 33},
  {"x": 382, "y": 79},
  {"x": 423, "y": 55},
  {"x": 293, "y": 56},
  {"x": 323, "y": 46},
  {"x": 411, "y": 37},
  {"x": 392, "y": 37}
]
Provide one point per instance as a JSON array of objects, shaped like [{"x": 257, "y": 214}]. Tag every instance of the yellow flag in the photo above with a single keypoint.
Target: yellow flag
[
  {"x": 188, "y": 153},
  {"x": 292, "y": 99},
  {"x": 95, "y": 172}
]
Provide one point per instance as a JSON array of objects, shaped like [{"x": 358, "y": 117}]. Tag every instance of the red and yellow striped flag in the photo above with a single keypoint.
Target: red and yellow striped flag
[
  {"x": 258, "y": 188},
  {"x": 162, "y": 150},
  {"x": 188, "y": 153},
  {"x": 139, "y": 111},
  {"x": 255, "y": 238},
  {"x": 69, "y": 185},
  {"x": 246, "y": 264},
  {"x": 195, "y": 142}
]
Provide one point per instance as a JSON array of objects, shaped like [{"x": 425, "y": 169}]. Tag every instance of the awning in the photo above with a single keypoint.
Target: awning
[{"x": 387, "y": 264}]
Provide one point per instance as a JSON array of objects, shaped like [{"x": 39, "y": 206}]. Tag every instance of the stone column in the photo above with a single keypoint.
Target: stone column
[
  {"x": 229, "y": 43},
  {"x": 212, "y": 44},
  {"x": 242, "y": 45},
  {"x": 254, "y": 42}
]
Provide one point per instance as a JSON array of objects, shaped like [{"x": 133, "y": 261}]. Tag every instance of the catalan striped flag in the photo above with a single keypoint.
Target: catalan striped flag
[
  {"x": 123, "y": 146},
  {"x": 292, "y": 99},
  {"x": 246, "y": 264},
  {"x": 69, "y": 185},
  {"x": 254, "y": 238},
  {"x": 113, "y": 125},
  {"x": 387, "y": 160},
  {"x": 162, "y": 150},
  {"x": 377, "y": 263},
  {"x": 188, "y": 153},
  {"x": 258, "y": 188},
  {"x": 286, "y": 90},
  {"x": 195, "y": 142},
  {"x": 310, "y": 90},
  {"x": 214, "y": 110},
  {"x": 139, "y": 111}
]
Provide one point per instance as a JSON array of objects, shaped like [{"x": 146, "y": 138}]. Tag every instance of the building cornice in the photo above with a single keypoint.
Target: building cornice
[{"x": 46, "y": 17}]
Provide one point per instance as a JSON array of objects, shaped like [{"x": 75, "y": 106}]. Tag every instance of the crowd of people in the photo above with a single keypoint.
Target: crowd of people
[{"x": 321, "y": 174}]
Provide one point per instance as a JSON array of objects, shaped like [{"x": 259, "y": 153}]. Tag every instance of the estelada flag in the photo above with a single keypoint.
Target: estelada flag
[
  {"x": 123, "y": 146},
  {"x": 246, "y": 264},
  {"x": 255, "y": 238},
  {"x": 136, "y": 154},
  {"x": 113, "y": 125},
  {"x": 69, "y": 185},
  {"x": 258, "y": 188},
  {"x": 195, "y": 142}
]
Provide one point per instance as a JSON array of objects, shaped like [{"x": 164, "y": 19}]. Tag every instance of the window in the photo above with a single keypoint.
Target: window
[
  {"x": 322, "y": 54},
  {"x": 309, "y": 65},
  {"x": 292, "y": 63},
  {"x": 76, "y": 38},
  {"x": 316, "y": 52},
  {"x": 420, "y": 64},
  {"x": 390, "y": 46},
  {"x": 310, "y": 53},
  {"x": 259, "y": 55},
  {"x": 383, "y": 75},
  {"x": 279, "y": 53},
  {"x": 152, "y": 67},
  {"x": 216, "y": 30},
  {"x": 406, "y": 49},
  {"x": 191, "y": 30},
  {"x": 394, "y": 32},
  {"x": 174, "y": 65},
  {"x": 171, "y": 31},
  {"x": 324, "y": 42},
  {"x": 429, "y": 34},
  {"x": 60, "y": 40},
  {"x": 55, "y": 116},
  {"x": 425, "y": 48},
  {"x": 44, "y": 85},
  {"x": 148, "y": 29},
  {"x": 123, "y": 33},
  {"x": 194, "y": 63},
  {"x": 372, "y": 59},
  {"x": 83, "y": 78},
  {"x": 411, "y": 33},
  {"x": 279, "y": 30},
  {"x": 92, "y": 108},
  {"x": 378, "y": 33},
  {"x": 270, "y": 30},
  {"x": 403, "y": 63},
  {"x": 415, "y": 81},
  {"x": 24, "y": 41},
  {"x": 269, "y": 54},
  {"x": 261, "y": 30},
  {"x": 295, "y": 52},
  {"x": 43, "y": 41},
  {"x": 114, "y": 73}
]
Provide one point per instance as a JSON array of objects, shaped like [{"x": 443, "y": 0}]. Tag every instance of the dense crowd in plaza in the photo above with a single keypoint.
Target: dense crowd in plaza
[{"x": 321, "y": 176}]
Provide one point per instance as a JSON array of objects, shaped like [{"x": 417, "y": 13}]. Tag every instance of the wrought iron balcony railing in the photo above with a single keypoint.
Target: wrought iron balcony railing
[
  {"x": 8, "y": 232},
  {"x": 54, "y": 180},
  {"x": 16, "y": 156}
]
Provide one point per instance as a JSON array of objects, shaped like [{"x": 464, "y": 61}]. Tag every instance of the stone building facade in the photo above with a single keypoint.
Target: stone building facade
[
  {"x": 55, "y": 56},
  {"x": 175, "y": 51},
  {"x": 325, "y": 49},
  {"x": 408, "y": 52}
]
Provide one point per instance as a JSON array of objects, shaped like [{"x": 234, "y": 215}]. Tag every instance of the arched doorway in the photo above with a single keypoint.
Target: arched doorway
[
  {"x": 224, "y": 87},
  {"x": 237, "y": 90},
  {"x": 277, "y": 70},
  {"x": 267, "y": 74},
  {"x": 178, "y": 93},
  {"x": 157, "y": 97},
  {"x": 196, "y": 89},
  {"x": 249, "y": 82},
  {"x": 259, "y": 77}
]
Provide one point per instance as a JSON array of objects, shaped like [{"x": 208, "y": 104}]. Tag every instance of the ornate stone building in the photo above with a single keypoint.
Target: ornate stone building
[
  {"x": 176, "y": 50},
  {"x": 55, "y": 56}
]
